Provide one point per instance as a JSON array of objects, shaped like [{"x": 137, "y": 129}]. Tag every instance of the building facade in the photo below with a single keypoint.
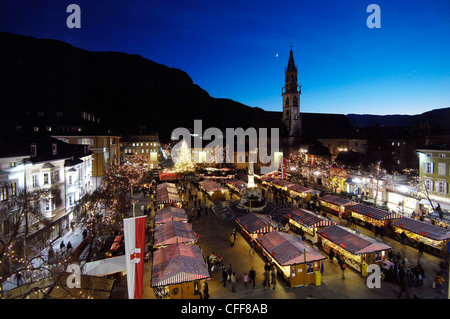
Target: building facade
[
  {"x": 145, "y": 145},
  {"x": 105, "y": 149},
  {"x": 434, "y": 173},
  {"x": 49, "y": 167}
]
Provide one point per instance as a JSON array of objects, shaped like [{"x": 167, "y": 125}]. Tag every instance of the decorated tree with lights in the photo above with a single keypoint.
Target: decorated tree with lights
[
  {"x": 18, "y": 253},
  {"x": 183, "y": 161}
]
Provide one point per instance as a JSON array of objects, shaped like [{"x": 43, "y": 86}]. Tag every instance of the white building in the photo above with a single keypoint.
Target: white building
[{"x": 61, "y": 170}]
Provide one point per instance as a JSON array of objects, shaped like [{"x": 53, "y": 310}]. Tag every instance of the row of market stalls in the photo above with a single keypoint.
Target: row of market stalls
[
  {"x": 435, "y": 238},
  {"x": 373, "y": 218},
  {"x": 293, "y": 190},
  {"x": 356, "y": 250},
  {"x": 179, "y": 268},
  {"x": 295, "y": 260}
]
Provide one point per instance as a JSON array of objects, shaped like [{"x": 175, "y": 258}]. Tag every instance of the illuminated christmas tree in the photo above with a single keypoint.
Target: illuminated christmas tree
[{"x": 183, "y": 161}]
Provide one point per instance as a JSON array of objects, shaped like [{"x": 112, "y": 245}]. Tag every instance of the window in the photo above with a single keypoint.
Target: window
[
  {"x": 47, "y": 205},
  {"x": 428, "y": 167},
  {"x": 55, "y": 176},
  {"x": 442, "y": 169},
  {"x": 35, "y": 180},
  {"x": 70, "y": 179},
  {"x": 309, "y": 268},
  {"x": 442, "y": 155},
  {"x": 3, "y": 193},
  {"x": 13, "y": 189},
  {"x": 46, "y": 179},
  {"x": 429, "y": 185},
  {"x": 33, "y": 150},
  {"x": 54, "y": 149},
  {"x": 441, "y": 187}
]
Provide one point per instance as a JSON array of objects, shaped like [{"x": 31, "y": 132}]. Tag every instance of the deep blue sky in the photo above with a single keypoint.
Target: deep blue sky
[{"x": 238, "y": 49}]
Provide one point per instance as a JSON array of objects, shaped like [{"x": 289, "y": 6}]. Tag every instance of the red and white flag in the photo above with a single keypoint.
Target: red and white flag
[{"x": 134, "y": 235}]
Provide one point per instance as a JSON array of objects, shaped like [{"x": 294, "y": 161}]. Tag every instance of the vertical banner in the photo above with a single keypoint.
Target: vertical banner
[
  {"x": 134, "y": 234},
  {"x": 283, "y": 168}
]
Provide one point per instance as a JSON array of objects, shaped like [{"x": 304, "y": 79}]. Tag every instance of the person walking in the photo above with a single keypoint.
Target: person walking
[
  {"x": 233, "y": 282},
  {"x": 224, "y": 276},
  {"x": 421, "y": 248},
  {"x": 274, "y": 277},
  {"x": 331, "y": 255},
  {"x": 266, "y": 278},
  {"x": 245, "y": 280},
  {"x": 232, "y": 240},
  {"x": 205, "y": 291},
  {"x": 439, "y": 283},
  {"x": 343, "y": 267},
  {"x": 252, "y": 276},
  {"x": 252, "y": 247}
]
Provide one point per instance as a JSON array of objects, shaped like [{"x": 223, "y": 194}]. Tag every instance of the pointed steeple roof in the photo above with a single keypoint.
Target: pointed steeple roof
[{"x": 291, "y": 65}]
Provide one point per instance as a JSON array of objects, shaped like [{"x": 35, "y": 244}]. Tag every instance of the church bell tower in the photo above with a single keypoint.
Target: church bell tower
[{"x": 291, "y": 99}]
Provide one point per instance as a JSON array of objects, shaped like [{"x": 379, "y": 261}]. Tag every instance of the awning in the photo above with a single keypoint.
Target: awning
[
  {"x": 422, "y": 228},
  {"x": 288, "y": 249},
  {"x": 173, "y": 232},
  {"x": 352, "y": 242},
  {"x": 170, "y": 214},
  {"x": 373, "y": 212},
  {"x": 178, "y": 263},
  {"x": 211, "y": 186},
  {"x": 256, "y": 223},
  {"x": 167, "y": 193},
  {"x": 105, "y": 267},
  {"x": 309, "y": 219}
]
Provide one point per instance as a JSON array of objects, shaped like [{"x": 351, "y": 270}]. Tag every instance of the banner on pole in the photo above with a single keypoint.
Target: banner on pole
[{"x": 134, "y": 235}]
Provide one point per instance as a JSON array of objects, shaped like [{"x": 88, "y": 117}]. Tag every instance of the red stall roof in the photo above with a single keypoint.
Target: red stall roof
[
  {"x": 288, "y": 249},
  {"x": 167, "y": 193},
  {"x": 373, "y": 212},
  {"x": 256, "y": 223},
  {"x": 211, "y": 186},
  {"x": 351, "y": 241},
  {"x": 170, "y": 214},
  {"x": 309, "y": 219},
  {"x": 300, "y": 189},
  {"x": 422, "y": 228},
  {"x": 173, "y": 232},
  {"x": 336, "y": 200},
  {"x": 178, "y": 263}
]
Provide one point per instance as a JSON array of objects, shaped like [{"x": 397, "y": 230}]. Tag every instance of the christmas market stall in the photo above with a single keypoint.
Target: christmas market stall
[
  {"x": 168, "y": 176},
  {"x": 306, "y": 223},
  {"x": 298, "y": 262},
  {"x": 170, "y": 214},
  {"x": 305, "y": 193},
  {"x": 254, "y": 225},
  {"x": 356, "y": 250},
  {"x": 167, "y": 195},
  {"x": 213, "y": 189},
  {"x": 236, "y": 185},
  {"x": 173, "y": 232},
  {"x": 335, "y": 205},
  {"x": 179, "y": 272},
  {"x": 434, "y": 238},
  {"x": 372, "y": 217}
]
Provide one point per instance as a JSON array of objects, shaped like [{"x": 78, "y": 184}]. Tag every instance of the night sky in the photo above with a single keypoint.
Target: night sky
[{"x": 239, "y": 49}]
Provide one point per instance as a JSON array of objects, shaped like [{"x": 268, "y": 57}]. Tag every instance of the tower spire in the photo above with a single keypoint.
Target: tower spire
[{"x": 291, "y": 64}]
